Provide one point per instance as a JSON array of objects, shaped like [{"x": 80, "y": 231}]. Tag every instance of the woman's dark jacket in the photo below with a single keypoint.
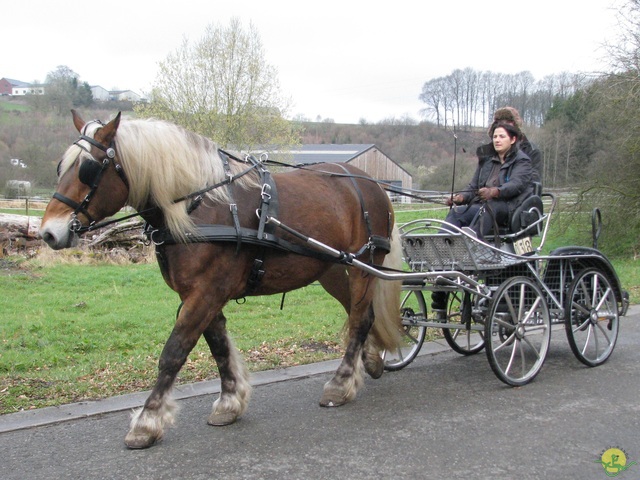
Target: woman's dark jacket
[
  {"x": 529, "y": 148},
  {"x": 515, "y": 176}
]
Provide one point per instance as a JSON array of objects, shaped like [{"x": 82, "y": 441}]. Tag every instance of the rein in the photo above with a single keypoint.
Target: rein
[
  {"x": 92, "y": 173},
  {"x": 433, "y": 196}
]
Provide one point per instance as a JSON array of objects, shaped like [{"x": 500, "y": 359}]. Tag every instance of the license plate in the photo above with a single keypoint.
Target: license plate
[{"x": 523, "y": 246}]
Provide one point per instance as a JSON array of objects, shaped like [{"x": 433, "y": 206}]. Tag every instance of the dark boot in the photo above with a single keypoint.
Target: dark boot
[{"x": 439, "y": 304}]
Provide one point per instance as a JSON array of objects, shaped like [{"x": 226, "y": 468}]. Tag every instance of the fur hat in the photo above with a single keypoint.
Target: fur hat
[{"x": 508, "y": 114}]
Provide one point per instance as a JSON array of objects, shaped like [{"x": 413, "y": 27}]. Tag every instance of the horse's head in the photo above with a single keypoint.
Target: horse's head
[{"x": 91, "y": 184}]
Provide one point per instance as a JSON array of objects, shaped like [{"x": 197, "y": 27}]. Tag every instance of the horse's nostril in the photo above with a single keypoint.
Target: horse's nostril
[{"x": 47, "y": 237}]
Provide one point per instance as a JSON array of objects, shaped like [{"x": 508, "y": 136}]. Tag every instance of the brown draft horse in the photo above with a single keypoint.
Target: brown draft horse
[{"x": 155, "y": 167}]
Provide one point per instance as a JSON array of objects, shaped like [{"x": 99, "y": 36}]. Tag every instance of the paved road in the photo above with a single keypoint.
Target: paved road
[{"x": 444, "y": 416}]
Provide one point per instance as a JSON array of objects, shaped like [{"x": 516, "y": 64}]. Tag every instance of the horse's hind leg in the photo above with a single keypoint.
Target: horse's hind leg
[
  {"x": 346, "y": 382},
  {"x": 336, "y": 282},
  {"x": 342, "y": 388},
  {"x": 235, "y": 387},
  {"x": 373, "y": 363}
]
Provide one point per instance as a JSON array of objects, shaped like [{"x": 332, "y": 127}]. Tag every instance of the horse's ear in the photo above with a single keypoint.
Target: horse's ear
[
  {"x": 77, "y": 120},
  {"x": 109, "y": 130}
]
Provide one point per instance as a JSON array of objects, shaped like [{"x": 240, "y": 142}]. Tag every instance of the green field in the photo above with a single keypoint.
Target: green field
[
  {"x": 12, "y": 106},
  {"x": 73, "y": 332}
]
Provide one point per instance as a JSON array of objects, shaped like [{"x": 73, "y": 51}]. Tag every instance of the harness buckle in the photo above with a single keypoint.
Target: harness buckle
[
  {"x": 266, "y": 188},
  {"x": 255, "y": 276},
  {"x": 150, "y": 234}
]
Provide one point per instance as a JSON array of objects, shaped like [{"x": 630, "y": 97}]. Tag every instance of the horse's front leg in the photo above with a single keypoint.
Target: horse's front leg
[
  {"x": 147, "y": 423},
  {"x": 234, "y": 378}
]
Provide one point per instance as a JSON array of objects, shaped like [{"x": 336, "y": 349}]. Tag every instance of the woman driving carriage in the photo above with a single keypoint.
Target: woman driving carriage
[{"x": 500, "y": 183}]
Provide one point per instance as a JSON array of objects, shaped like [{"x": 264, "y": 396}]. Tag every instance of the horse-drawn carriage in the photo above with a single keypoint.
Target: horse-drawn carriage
[
  {"x": 506, "y": 297},
  {"x": 225, "y": 228}
]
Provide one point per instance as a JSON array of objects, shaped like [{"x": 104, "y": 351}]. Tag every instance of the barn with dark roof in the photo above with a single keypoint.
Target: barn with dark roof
[{"x": 366, "y": 157}]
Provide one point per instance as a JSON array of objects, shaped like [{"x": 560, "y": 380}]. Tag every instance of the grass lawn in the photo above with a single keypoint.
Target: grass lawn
[
  {"x": 73, "y": 332},
  {"x": 11, "y": 106}
]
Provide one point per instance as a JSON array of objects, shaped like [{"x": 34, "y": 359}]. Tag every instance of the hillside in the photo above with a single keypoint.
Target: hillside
[{"x": 424, "y": 150}]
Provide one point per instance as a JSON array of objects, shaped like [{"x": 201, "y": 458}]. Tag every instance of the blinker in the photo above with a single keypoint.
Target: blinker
[{"x": 89, "y": 172}]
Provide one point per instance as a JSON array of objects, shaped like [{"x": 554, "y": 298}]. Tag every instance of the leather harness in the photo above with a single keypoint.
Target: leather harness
[{"x": 264, "y": 237}]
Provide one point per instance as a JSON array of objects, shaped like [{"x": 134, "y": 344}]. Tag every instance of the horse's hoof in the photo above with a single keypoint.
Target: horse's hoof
[
  {"x": 332, "y": 397},
  {"x": 222, "y": 419},
  {"x": 136, "y": 441},
  {"x": 374, "y": 366}
]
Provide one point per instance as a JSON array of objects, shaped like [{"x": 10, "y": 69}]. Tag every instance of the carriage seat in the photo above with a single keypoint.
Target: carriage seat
[{"x": 526, "y": 219}]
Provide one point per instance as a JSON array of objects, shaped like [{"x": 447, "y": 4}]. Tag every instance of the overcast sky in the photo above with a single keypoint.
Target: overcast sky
[{"x": 345, "y": 60}]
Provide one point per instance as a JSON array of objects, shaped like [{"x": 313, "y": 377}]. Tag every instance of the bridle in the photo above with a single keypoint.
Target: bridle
[{"x": 90, "y": 173}]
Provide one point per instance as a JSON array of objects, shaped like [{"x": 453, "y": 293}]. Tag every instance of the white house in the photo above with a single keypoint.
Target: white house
[
  {"x": 99, "y": 93},
  {"x": 125, "y": 95},
  {"x": 27, "y": 89}
]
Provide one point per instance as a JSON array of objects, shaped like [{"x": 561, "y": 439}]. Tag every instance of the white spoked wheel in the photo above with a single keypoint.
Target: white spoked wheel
[
  {"x": 517, "y": 331},
  {"x": 592, "y": 319},
  {"x": 413, "y": 309}
]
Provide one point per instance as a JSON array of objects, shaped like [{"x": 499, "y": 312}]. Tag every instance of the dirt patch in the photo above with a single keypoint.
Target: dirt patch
[{"x": 322, "y": 347}]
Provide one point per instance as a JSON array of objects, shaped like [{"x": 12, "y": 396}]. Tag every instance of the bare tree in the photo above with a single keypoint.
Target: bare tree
[
  {"x": 432, "y": 96},
  {"x": 468, "y": 98},
  {"x": 221, "y": 86}
]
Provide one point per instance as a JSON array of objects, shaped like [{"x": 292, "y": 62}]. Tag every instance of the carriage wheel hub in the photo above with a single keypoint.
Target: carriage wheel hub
[{"x": 593, "y": 316}]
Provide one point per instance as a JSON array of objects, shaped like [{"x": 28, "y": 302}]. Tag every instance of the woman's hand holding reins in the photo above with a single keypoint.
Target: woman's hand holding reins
[
  {"x": 457, "y": 199},
  {"x": 488, "y": 193}
]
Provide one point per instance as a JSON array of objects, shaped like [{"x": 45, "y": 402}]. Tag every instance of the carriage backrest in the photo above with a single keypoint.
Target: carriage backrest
[{"x": 527, "y": 218}]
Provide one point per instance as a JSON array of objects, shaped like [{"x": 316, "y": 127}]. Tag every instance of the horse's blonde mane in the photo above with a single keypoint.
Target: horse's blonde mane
[{"x": 164, "y": 162}]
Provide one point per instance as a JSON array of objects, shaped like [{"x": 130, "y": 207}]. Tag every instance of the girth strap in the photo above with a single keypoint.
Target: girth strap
[{"x": 268, "y": 208}]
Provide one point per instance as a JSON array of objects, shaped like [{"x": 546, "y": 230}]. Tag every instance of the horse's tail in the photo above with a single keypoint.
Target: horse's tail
[{"x": 385, "y": 331}]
